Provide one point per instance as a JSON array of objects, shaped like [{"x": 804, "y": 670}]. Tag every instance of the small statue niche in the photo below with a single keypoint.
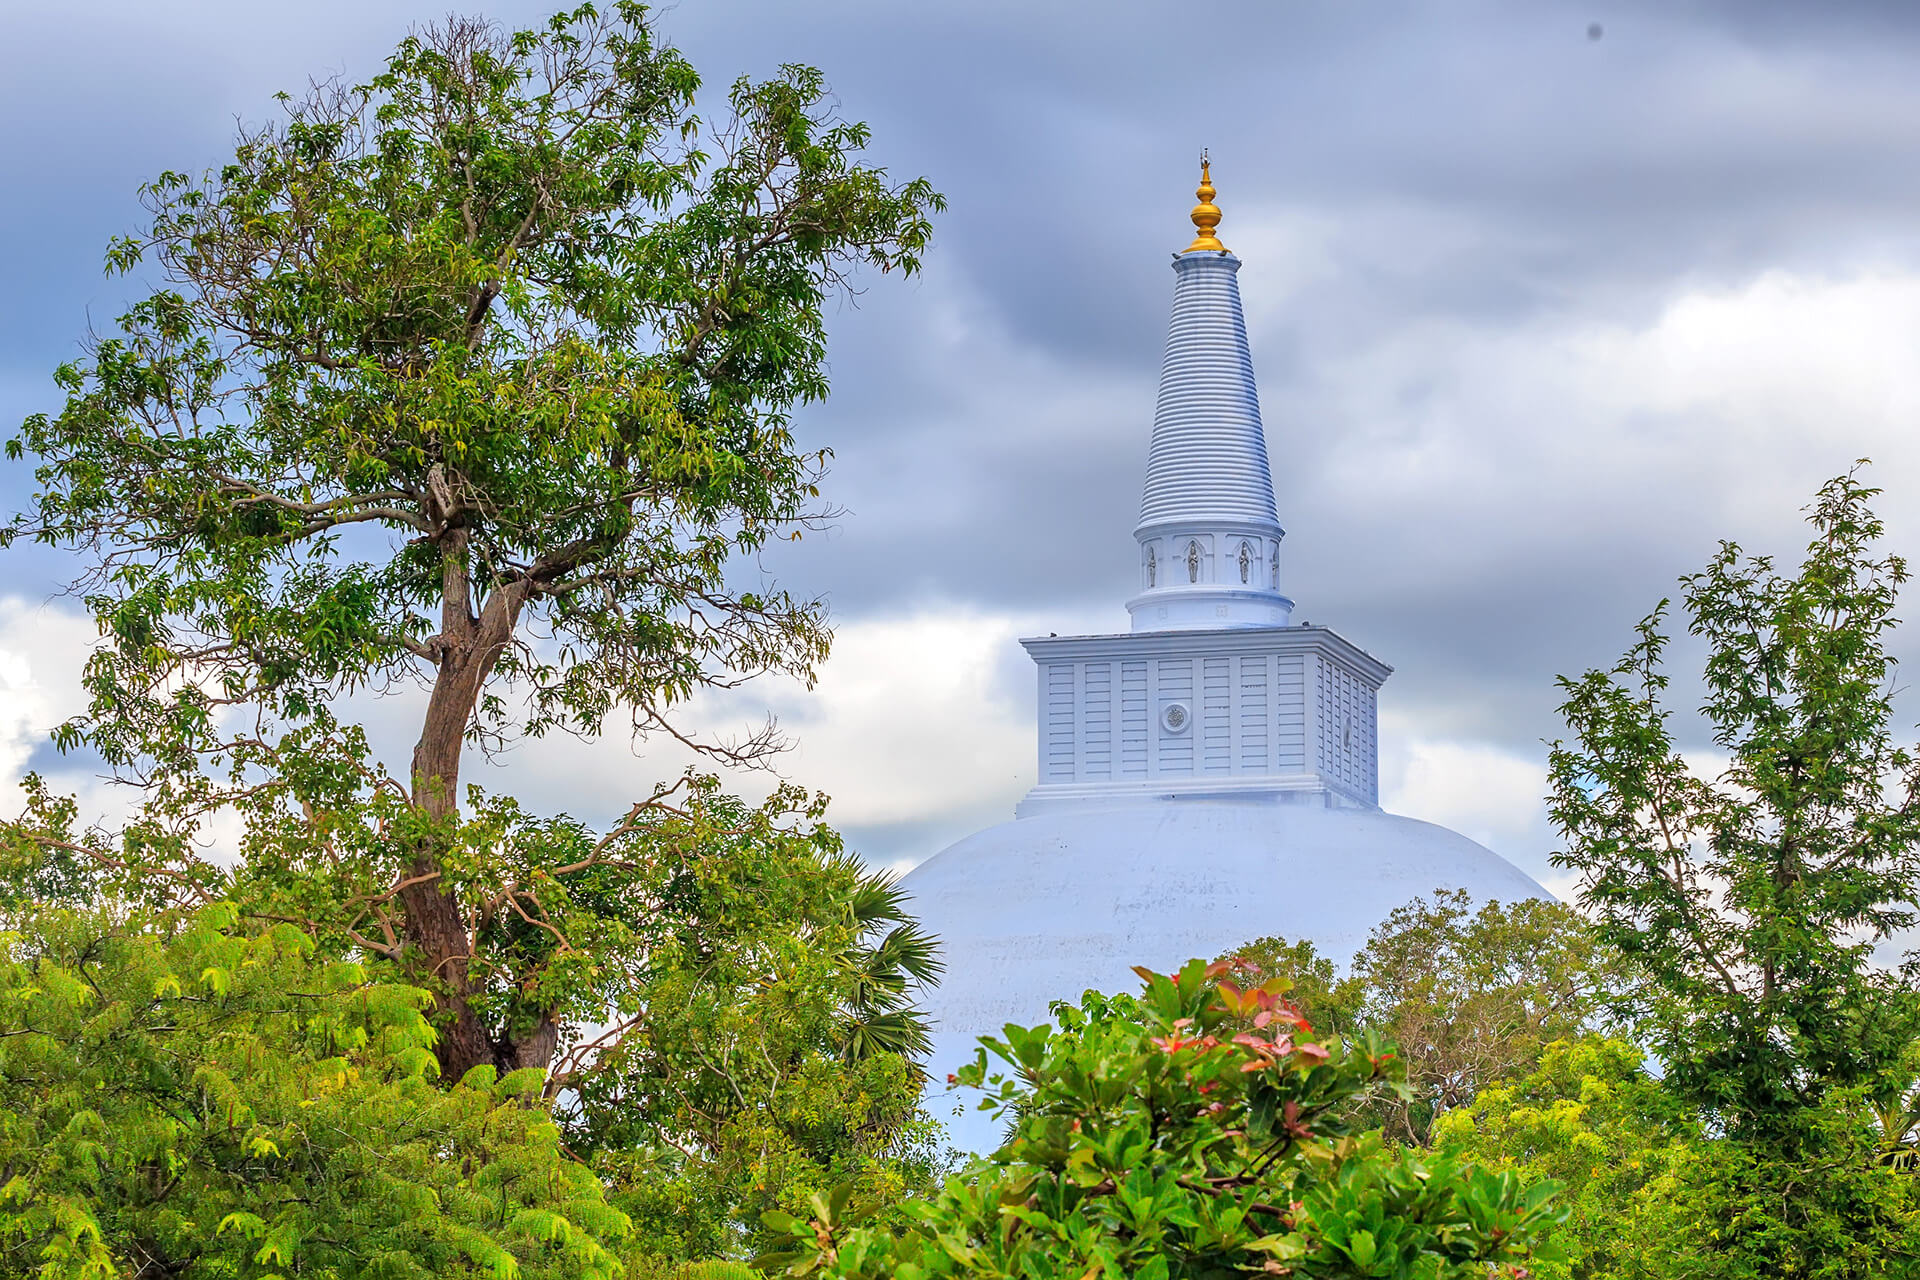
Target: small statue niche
[
  {"x": 1153, "y": 567},
  {"x": 1246, "y": 561},
  {"x": 1273, "y": 566},
  {"x": 1193, "y": 561}
]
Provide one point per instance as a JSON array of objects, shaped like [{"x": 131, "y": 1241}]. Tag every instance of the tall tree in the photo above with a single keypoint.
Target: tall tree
[
  {"x": 478, "y": 376},
  {"x": 1753, "y": 899},
  {"x": 1472, "y": 996}
]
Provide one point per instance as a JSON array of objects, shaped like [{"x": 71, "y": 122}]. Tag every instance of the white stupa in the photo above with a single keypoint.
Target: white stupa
[{"x": 1209, "y": 777}]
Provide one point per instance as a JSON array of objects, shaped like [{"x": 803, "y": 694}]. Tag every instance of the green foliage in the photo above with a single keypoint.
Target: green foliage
[
  {"x": 1830, "y": 1210},
  {"x": 1893, "y": 1106},
  {"x": 1466, "y": 996},
  {"x": 1192, "y": 1132},
  {"x": 1651, "y": 1196},
  {"x": 1753, "y": 900},
  {"x": 728, "y": 1082},
  {"x": 181, "y": 1096},
  {"x": 716, "y": 1271},
  {"x": 816, "y": 1126},
  {"x": 1590, "y": 1118}
]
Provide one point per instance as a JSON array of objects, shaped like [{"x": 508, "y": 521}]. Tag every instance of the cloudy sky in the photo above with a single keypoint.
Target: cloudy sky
[{"x": 1544, "y": 299}]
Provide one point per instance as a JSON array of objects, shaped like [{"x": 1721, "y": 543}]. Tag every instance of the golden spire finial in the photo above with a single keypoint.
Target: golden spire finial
[{"x": 1206, "y": 214}]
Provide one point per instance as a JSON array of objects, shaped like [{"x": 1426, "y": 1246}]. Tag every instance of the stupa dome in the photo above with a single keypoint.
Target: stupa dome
[
  {"x": 1054, "y": 904},
  {"x": 1208, "y": 778},
  {"x": 1043, "y": 908}
]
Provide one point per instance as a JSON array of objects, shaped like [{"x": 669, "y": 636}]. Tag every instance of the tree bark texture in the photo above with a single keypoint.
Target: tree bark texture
[{"x": 438, "y": 929}]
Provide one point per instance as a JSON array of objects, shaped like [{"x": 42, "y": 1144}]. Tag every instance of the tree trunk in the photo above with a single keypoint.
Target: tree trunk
[
  {"x": 535, "y": 1049},
  {"x": 437, "y": 927}
]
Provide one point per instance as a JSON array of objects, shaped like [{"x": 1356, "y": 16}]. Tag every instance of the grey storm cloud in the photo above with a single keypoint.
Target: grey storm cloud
[{"x": 1479, "y": 175}]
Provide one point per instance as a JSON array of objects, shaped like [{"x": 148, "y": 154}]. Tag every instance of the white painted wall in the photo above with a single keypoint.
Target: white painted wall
[{"x": 1195, "y": 713}]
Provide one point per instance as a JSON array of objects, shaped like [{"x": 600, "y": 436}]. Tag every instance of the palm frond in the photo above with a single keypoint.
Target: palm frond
[
  {"x": 909, "y": 949},
  {"x": 876, "y": 898},
  {"x": 903, "y": 1031}
]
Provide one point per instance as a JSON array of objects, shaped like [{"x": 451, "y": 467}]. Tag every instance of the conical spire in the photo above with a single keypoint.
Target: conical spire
[{"x": 1209, "y": 534}]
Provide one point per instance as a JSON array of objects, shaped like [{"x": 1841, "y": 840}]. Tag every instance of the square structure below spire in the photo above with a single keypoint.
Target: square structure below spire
[{"x": 1285, "y": 714}]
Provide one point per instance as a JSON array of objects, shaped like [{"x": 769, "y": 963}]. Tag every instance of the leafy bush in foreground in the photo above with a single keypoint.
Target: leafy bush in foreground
[
  {"x": 179, "y": 1097},
  {"x": 1198, "y": 1130}
]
